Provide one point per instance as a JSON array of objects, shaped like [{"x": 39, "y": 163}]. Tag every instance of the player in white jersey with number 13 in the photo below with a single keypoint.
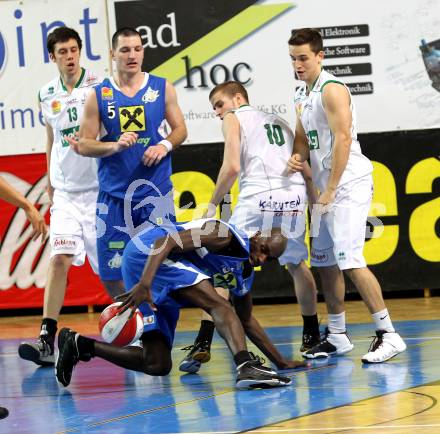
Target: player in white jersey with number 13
[
  {"x": 72, "y": 184},
  {"x": 326, "y": 133}
]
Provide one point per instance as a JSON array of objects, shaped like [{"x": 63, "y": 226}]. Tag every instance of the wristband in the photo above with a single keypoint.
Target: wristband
[{"x": 167, "y": 144}]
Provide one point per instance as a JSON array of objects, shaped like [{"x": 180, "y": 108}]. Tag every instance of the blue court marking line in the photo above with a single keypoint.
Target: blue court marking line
[
  {"x": 210, "y": 396},
  {"x": 364, "y": 427},
  {"x": 151, "y": 410},
  {"x": 297, "y": 373},
  {"x": 282, "y": 336}
]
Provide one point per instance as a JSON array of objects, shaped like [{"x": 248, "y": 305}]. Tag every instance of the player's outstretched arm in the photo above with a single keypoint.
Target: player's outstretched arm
[
  {"x": 9, "y": 194},
  {"x": 256, "y": 333},
  {"x": 213, "y": 235}
]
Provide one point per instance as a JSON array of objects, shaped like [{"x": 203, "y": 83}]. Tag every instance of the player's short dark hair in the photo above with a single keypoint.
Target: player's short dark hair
[
  {"x": 230, "y": 88},
  {"x": 124, "y": 31},
  {"x": 62, "y": 34},
  {"x": 307, "y": 36}
]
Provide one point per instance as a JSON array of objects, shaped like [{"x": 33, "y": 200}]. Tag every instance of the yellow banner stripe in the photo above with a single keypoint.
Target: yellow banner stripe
[{"x": 220, "y": 39}]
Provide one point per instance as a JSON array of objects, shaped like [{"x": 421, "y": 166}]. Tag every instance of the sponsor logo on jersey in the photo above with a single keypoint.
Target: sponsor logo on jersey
[
  {"x": 116, "y": 261},
  {"x": 91, "y": 79},
  {"x": 144, "y": 141},
  {"x": 132, "y": 118},
  {"x": 50, "y": 90},
  {"x": 116, "y": 245},
  {"x": 68, "y": 132},
  {"x": 150, "y": 95},
  {"x": 71, "y": 101},
  {"x": 226, "y": 281},
  {"x": 149, "y": 319},
  {"x": 56, "y": 107},
  {"x": 107, "y": 93},
  {"x": 287, "y": 206},
  {"x": 61, "y": 243},
  {"x": 319, "y": 257}
]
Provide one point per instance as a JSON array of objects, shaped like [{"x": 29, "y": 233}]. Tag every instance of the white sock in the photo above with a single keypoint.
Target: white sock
[
  {"x": 336, "y": 322},
  {"x": 382, "y": 321}
]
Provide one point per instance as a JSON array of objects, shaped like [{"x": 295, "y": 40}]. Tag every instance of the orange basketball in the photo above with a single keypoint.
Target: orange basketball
[{"x": 120, "y": 330}]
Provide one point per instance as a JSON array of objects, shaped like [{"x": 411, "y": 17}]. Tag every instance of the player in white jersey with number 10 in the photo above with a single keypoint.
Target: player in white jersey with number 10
[
  {"x": 258, "y": 146},
  {"x": 72, "y": 184},
  {"x": 326, "y": 133}
]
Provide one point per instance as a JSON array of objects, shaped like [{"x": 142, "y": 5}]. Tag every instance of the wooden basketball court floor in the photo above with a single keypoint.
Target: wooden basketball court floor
[{"x": 336, "y": 396}]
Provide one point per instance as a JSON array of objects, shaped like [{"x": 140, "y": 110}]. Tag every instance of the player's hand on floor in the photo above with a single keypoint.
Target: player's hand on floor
[
  {"x": 132, "y": 300},
  {"x": 293, "y": 364}
]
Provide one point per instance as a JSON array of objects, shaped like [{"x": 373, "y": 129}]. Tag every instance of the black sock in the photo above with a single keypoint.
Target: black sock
[
  {"x": 310, "y": 325},
  {"x": 86, "y": 346},
  {"x": 48, "y": 328},
  {"x": 206, "y": 332},
  {"x": 241, "y": 357}
]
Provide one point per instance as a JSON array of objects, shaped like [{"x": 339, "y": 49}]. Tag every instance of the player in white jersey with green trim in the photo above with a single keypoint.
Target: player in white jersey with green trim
[
  {"x": 72, "y": 184},
  {"x": 258, "y": 146},
  {"x": 326, "y": 133}
]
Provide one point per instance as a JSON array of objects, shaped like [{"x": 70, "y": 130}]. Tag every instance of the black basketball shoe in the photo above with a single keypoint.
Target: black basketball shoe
[
  {"x": 40, "y": 352},
  {"x": 331, "y": 344},
  {"x": 197, "y": 354},
  {"x": 68, "y": 356},
  {"x": 309, "y": 341},
  {"x": 253, "y": 375}
]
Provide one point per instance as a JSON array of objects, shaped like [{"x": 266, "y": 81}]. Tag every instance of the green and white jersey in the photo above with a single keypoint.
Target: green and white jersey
[
  {"x": 313, "y": 118},
  {"x": 266, "y": 146},
  {"x": 62, "y": 111}
]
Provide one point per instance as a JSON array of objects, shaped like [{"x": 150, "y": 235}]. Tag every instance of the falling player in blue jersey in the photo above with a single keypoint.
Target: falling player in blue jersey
[
  {"x": 129, "y": 113},
  {"x": 170, "y": 268}
]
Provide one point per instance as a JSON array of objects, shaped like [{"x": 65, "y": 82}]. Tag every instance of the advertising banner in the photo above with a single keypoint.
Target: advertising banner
[
  {"x": 403, "y": 220},
  {"x": 23, "y": 262},
  {"x": 25, "y": 65},
  {"x": 387, "y": 53},
  {"x": 403, "y": 232}
]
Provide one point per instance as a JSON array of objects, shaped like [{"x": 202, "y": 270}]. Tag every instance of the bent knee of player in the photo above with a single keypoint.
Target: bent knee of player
[{"x": 157, "y": 369}]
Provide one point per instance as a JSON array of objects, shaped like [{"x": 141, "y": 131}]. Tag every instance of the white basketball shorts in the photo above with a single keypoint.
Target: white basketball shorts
[
  {"x": 339, "y": 234},
  {"x": 284, "y": 208},
  {"x": 73, "y": 226}
]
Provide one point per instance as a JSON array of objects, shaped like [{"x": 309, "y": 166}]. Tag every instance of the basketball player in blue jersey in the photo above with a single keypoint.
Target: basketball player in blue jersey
[
  {"x": 129, "y": 114},
  {"x": 169, "y": 268}
]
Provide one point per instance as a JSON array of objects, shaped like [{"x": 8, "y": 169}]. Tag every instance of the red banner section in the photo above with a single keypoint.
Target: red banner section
[{"x": 24, "y": 263}]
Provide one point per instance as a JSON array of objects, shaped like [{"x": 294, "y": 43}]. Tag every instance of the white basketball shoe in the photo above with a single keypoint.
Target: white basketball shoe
[{"x": 385, "y": 346}]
